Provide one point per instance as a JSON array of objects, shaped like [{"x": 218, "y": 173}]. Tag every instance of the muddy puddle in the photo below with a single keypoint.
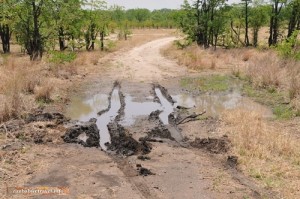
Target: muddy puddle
[
  {"x": 110, "y": 105},
  {"x": 216, "y": 103}
]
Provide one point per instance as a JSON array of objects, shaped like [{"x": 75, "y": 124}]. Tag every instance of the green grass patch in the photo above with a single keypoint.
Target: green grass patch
[
  {"x": 214, "y": 83},
  {"x": 272, "y": 98}
]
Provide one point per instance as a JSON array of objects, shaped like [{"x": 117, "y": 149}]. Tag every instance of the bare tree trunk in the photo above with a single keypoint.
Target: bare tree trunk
[
  {"x": 36, "y": 42},
  {"x": 246, "y": 24},
  {"x": 5, "y": 34},
  {"x": 102, "y": 40},
  {"x": 61, "y": 39}
]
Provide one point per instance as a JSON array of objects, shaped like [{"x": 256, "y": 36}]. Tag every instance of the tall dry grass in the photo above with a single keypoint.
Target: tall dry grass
[
  {"x": 266, "y": 70},
  {"x": 19, "y": 79},
  {"x": 266, "y": 152}
]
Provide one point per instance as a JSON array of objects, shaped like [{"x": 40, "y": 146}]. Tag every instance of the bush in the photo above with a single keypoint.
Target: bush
[
  {"x": 58, "y": 57},
  {"x": 290, "y": 48}
]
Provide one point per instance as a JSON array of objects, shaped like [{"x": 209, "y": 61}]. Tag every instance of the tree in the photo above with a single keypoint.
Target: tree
[
  {"x": 277, "y": 6},
  {"x": 200, "y": 21},
  {"x": 92, "y": 19},
  {"x": 66, "y": 15},
  {"x": 294, "y": 19},
  {"x": 259, "y": 15},
  {"x": 6, "y": 22},
  {"x": 29, "y": 24},
  {"x": 246, "y": 2}
]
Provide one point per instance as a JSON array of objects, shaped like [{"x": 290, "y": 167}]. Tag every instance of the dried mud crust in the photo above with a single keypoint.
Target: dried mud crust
[
  {"x": 37, "y": 127},
  {"x": 213, "y": 145}
]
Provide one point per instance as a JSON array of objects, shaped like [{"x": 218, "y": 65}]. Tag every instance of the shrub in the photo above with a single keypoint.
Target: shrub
[
  {"x": 58, "y": 57},
  {"x": 290, "y": 48}
]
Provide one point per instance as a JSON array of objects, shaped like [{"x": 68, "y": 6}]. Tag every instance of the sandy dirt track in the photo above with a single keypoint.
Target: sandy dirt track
[{"x": 179, "y": 172}]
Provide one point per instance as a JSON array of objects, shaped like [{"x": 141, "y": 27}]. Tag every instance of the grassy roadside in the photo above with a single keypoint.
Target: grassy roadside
[{"x": 267, "y": 150}]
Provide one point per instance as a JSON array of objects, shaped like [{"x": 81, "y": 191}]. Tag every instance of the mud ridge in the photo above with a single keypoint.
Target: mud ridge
[
  {"x": 121, "y": 111},
  {"x": 123, "y": 143},
  {"x": 116, "y": 85},
  {"x": 164, "y": 92}
]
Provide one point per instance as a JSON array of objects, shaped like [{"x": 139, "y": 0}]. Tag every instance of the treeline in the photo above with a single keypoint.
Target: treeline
[
  {"x": 214, "y": 22},
  {"x": 42, "y": 25}
]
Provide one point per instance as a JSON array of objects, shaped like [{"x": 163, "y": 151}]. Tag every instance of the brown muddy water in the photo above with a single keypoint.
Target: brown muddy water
[{"x": 214, "y": 104}]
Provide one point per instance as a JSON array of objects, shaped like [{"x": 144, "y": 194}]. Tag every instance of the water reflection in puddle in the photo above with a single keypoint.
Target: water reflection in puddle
[
  {"x": 167, "y": 107},
  {"x": 107, "y": 117},
  {"x": 135, "y": 109},
  {"x": 214, "y": 104}
]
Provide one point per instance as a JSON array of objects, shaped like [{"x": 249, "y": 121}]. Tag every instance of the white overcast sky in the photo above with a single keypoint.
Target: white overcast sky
[{"x": 150, "y": 4}]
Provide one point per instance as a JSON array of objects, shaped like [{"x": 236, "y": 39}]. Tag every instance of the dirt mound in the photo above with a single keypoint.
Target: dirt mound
[
  {"x": 123, "y": 143},
  {"x": 213, "y": 145},
  {"x": 86, "y": 133}
]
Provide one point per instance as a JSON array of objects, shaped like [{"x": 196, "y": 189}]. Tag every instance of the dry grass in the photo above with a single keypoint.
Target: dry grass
[
  {"x": 192, "y": 57},
  {"x": 197, "y": 58},
  {"x": 265, "y": 71},
  {"x": 17, "y": 79},
  {"x": 266, "y": 152},
  {"x": 44, "y": 92}
]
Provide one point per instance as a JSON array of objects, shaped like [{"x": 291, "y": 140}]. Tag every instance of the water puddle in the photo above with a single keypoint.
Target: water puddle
[
  {"x": 214, "y": 104},
  {"x": 107, "y": 117},
  {"x": 135, "y": 109}
]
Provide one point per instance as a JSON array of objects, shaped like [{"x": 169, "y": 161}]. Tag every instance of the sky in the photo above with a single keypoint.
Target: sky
[{"x": 150, "y": 4}]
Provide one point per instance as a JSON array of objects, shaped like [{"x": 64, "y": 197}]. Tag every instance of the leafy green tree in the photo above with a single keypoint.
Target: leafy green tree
[
  {"x": 92, "y": 19},
  {"x": 66, "y": 19},
  {"x": 201, "y": 21},
  {"x": 29, "y": 26}
]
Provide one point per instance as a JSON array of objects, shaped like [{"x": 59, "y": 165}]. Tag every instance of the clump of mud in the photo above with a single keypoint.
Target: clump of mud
[
  {"x": 143, "y": 157},
  {"x": 213, "y": 145},
  {"x": 87, "y": 130},
  {"x": 123, "y": 143},
  {"x": 232, "y": 161},
  {"x": 154, "y": 116},
  {"x": 144, "y": 171}
]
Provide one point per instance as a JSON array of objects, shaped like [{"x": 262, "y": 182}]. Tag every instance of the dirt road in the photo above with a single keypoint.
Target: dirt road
[
  {"x": 145, "y": 63},
  {"x": 181, "y": 171}
]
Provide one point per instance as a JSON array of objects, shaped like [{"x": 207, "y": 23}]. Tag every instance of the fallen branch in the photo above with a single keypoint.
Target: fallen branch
[{"x": 191, "y": 118}]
